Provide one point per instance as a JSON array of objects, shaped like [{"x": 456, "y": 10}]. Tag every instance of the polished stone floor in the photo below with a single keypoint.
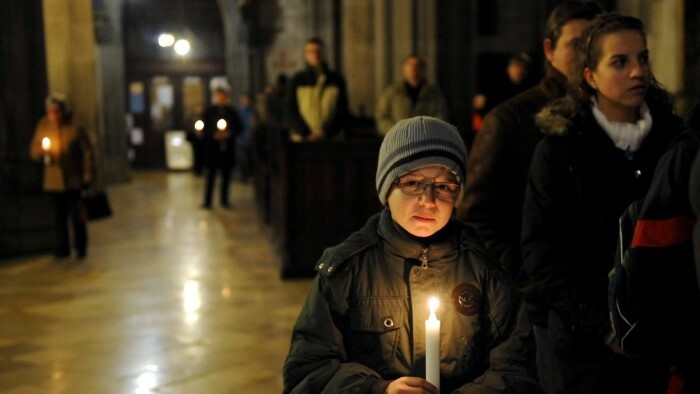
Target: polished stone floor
[{"x": 171, "y": 299}]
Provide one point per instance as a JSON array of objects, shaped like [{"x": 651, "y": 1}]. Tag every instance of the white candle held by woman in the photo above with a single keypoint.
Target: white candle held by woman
[
  {"x": 46, "y": 147},
  {"x": 432, "y": 345},
  {"x": 46, "y": 144}
]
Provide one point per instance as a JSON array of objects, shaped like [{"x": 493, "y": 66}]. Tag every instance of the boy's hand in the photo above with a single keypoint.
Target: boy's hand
[{"x": 411, "y": 384}]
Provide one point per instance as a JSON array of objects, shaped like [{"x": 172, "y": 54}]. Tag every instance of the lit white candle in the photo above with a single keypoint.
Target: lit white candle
[
  {"x": 46, "y": 144},
  {"x": 432, "y": 345},
  {"x": 46, "y": 147},
  {"x": 221, "y": 124}
]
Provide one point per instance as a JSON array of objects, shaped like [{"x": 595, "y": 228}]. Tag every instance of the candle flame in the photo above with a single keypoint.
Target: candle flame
[
  {"x": 433, "y": 304},
  {"x": 46, "y": 143},
  {"x": 199, "y": 125},
  {"x": 221, "y": 124}
]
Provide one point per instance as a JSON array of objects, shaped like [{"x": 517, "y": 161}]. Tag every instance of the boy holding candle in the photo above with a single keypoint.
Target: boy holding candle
[{"x": 363, "y": 326}]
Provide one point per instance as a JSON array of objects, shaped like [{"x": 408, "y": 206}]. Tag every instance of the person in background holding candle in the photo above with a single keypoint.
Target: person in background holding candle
[
  {"x": 363, "y": 325},
  {"x": 221, "y": 127},
  {"x": 68, "y": 161}
]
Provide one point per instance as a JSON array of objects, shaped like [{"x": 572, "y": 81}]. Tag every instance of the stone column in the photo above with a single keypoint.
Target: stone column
[
  {"x": 70, "y": 57},
  {"x": 111, "y": 88},
  {"x": 90, "y": 75},
  {"x": 358, "y": 52}
]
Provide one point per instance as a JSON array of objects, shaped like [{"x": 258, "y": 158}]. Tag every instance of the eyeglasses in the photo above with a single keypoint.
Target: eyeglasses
[{"x": 447, "y": 191}]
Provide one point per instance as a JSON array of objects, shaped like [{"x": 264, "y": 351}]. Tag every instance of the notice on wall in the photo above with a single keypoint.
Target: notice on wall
[
  {"x": 137, "y": 100},
  {"x": 136, "y": 136}
]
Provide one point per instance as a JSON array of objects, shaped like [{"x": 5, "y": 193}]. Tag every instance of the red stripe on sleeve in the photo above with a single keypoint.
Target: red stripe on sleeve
[{"x": 660, "y": 233}]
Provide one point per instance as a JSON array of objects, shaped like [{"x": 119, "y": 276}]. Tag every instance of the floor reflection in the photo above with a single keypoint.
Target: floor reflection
[{"x": 171, "y": 299}]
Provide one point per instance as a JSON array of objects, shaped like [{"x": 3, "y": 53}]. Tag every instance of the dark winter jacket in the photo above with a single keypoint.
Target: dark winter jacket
[
  {"x": 662, "y": 286},
  {"x": 302, "y": 104},
  {"x": 695, "y": 202},
  {"x": 579, "y": 184},
  {"x": 694, "y": 196},
  {"x": 220, "y": 152},
  {"x": 498, "y": 167},
  {"x": 363, "y": 323}
]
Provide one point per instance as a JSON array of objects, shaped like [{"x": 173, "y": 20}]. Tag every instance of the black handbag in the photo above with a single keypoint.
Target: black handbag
[{"x": 97, "y": 206}]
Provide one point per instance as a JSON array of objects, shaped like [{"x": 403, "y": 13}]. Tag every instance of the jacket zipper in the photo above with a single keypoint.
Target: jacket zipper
[{"x": 424, "y": 258}]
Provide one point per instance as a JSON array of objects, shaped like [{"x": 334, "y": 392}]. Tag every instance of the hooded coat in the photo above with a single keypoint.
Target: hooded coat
[
  {"x": 579, "y": 184},
  {"x": 661, "y": 272},
  {"x": 363, "y": 323}
]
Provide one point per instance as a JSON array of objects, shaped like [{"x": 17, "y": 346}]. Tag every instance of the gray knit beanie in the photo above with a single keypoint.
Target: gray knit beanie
[{"x": 415, "y": 143}]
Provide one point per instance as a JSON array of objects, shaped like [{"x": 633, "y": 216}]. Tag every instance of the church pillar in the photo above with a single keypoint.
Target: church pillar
[
  {"x": 110, "y": 70},
  {"x": 84, "y": 61}
]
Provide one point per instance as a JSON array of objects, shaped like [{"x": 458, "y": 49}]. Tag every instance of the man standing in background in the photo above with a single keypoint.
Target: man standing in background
[
  {"x": 317, "y": 100},
  {"x": 221, "y": 127},
  {"x": 410, "y": 97},
  {"x": 500, "y": 159}
]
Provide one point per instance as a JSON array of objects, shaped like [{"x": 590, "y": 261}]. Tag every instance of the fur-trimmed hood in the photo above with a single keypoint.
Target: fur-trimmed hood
[
  {"x": 552, "y": 121},
  {"x": 560, "y": 116}
]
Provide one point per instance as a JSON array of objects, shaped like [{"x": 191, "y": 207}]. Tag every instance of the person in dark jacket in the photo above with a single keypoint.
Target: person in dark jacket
[
  {"x": 661, "y": 274},
  {"x": 693, "y": 121},
  {"x": 694, "y": 195},
  {"x": 362, "y": 327},
  {"x": 604, "y": 140},
  {"x": 516, "y": 79},
  {"x": 317, "y": 99},
  {"x": 221, "y": 127},
  {"x": 500, "y": 158}
]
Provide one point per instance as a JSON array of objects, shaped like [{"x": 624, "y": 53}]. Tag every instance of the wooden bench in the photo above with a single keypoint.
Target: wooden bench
[{"x": 319, "y": 194}]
